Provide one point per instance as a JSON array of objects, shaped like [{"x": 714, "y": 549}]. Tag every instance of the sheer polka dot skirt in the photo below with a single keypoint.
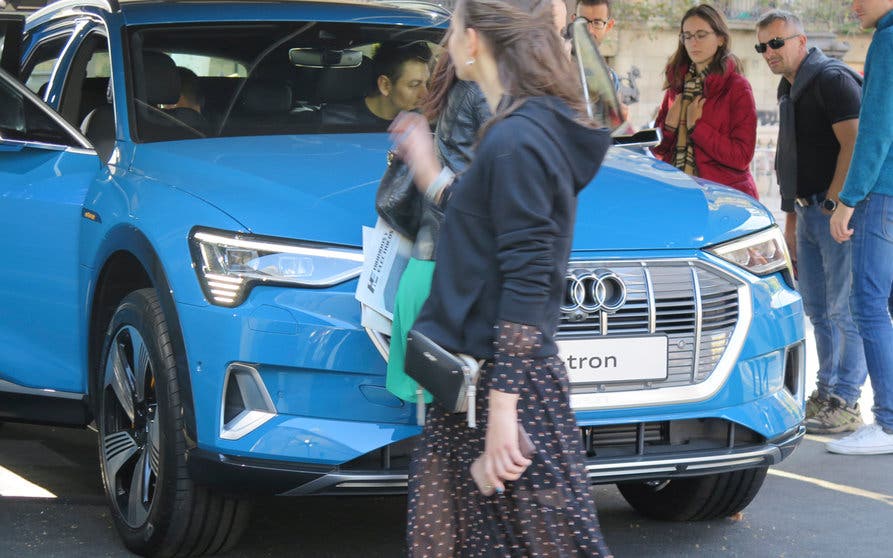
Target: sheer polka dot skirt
[{"x": 548, "y": 512}]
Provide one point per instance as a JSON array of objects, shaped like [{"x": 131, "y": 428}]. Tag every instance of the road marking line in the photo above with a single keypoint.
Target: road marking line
[
  {"x": 817, "y": 438},
  {"x": 13, "y": 485},
  {"x": 877, "y": 496}
]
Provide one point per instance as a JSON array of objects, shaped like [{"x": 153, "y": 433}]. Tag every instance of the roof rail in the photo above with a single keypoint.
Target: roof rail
[
  {"x": 420, "y": 5},
  {"x": 54, "y": 5}
]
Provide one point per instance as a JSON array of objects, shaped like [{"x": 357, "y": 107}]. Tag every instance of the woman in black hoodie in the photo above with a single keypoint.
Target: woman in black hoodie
[{"x": 496, "y": 294}]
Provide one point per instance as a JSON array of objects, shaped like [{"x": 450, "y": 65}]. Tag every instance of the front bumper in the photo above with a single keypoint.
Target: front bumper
[
  {"x": 326, "y": 423},
  {"x": 390, "y": 477},
  {"x": 670, "y": 463}
]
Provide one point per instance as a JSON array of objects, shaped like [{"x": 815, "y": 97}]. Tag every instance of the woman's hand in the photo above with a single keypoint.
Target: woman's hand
[
  {"x": 414, "y": 144},
  {"x": 673, "y": 113},
  {"x": 695, "y": 110},
  {"x": 502, "y": 459}
]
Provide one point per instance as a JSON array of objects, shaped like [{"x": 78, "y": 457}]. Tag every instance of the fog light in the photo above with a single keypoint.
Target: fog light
[
  {"x": 246, "y": 403},
  {"x": 795, "y": 371}
]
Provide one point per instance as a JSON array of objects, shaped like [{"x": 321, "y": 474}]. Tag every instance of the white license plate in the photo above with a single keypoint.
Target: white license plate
[{"x": 614, "y": 359}]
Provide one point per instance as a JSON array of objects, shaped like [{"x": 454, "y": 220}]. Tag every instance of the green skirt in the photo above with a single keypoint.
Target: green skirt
[{"x": 412, "y": 291}]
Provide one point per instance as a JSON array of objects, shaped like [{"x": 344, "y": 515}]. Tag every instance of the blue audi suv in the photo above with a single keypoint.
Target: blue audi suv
[{"x": 184, "y": 278}]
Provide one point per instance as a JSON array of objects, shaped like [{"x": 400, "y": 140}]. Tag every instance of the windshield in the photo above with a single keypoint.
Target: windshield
[{"x": 245, "y": 79}]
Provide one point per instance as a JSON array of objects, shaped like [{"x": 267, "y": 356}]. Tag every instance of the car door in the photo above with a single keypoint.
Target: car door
[
  {"x": 11, "y": 25},
  {"x": 46, "y": 167}
]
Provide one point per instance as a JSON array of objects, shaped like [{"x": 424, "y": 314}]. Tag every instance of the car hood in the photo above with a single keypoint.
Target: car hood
[
  {"x": 322, "y": 188},
  {"x": 638, "y": 202}
]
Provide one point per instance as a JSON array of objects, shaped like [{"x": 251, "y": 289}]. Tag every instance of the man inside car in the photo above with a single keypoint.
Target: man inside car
[{"x": 400, "y": 82}]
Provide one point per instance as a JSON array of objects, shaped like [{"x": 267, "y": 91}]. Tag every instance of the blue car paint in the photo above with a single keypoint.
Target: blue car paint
[
  {"x": 323, "y": 373},
  {"x": 146, "y": 14},
  {"x": 311, "y": 366},
  {"x": 628, "y": 206},
  {"x": 41, "y": 201}
]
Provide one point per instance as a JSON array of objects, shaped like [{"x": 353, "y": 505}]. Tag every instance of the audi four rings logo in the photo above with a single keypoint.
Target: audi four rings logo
[{"x": 593, "y": 291}]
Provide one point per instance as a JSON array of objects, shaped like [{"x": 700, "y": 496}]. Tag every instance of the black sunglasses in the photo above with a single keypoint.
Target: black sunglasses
[{"x": 774, "y": 44}]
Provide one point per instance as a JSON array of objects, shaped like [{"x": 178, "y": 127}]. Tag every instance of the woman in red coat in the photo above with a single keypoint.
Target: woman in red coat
[{"x": 708, "y": 116}]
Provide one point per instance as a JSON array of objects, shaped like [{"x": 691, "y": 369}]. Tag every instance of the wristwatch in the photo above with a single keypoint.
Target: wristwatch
[{"x": 829, "y": 204}]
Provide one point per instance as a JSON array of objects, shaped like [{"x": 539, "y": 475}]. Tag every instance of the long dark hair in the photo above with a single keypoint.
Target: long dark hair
[
  {"x": 529, "y": 53},
  {"x": 442, "y": 79},
  {"x": 679, "y": 63}
]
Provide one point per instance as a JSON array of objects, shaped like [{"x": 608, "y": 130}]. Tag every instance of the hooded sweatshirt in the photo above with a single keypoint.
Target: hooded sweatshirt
[{"x": 506, "y": 239}]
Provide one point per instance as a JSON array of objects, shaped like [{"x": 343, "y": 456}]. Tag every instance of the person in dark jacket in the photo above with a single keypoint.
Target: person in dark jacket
[
  {"x": 399, "y": 82},
  {"x": 708, "y": 116},
  {"x": 496, "y": 294},
  {"x": 459, "y": 109}
]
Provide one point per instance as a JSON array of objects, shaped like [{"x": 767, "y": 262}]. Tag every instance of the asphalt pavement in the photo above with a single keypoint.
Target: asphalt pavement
[{"x": 815, "y": 504}]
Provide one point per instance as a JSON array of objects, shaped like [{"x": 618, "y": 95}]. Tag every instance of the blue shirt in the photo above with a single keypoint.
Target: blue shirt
[{"x": 871, "y": 170}]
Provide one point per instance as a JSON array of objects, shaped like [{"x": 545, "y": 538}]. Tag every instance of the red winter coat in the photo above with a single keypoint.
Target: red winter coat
[{"x": 726, "y": 134}]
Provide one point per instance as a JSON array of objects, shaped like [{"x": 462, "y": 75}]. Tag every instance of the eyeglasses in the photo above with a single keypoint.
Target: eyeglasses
[
  {"x": 597, "y": 24},
  {"x": 774, "y": 44},
  {"x": 697, "y": 35}
]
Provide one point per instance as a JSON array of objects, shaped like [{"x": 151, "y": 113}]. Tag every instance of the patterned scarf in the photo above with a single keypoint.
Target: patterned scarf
[{"x": 684, "y": 158}]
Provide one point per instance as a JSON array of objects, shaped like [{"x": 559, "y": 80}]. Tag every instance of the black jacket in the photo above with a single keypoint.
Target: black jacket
[
  {"x": 507, "y": 236},
  {"x": 454, "y": 135},
  {"x": 458, "y": 125}
]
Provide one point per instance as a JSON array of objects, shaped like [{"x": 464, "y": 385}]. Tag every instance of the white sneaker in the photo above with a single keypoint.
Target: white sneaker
[{"x": 868, "y": 440}]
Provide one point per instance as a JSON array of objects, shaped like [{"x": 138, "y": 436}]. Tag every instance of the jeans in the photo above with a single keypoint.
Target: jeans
[
  {"x": 825, "y": 280},
  {"x": 872, "y": 298}
]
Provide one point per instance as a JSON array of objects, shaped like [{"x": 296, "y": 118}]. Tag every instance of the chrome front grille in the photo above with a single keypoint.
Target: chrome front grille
[{"x": 694, "y": 304}]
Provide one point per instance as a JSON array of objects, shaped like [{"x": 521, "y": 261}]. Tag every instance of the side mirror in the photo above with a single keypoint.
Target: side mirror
[
  {"x": 324, "y": 58},
  {"x": 649, "y": 137}
]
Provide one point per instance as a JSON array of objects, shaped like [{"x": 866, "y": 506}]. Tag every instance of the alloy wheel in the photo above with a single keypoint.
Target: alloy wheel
[{"x": 129, "y": 427}]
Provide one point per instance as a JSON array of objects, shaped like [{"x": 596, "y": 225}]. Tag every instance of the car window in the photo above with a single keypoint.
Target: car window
[
  {"x": 39, "y": 66},
  {"x": 98, "y": 65},
  {"x": 87, "y": 81},
  {"x": 195, "y": 81},
  {"x": 209, "y": 66},
  {"x": 21, "y": 119}
]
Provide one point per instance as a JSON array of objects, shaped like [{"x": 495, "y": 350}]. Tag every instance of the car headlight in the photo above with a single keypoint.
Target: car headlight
[
  {"x": 761, "y": 253},
  {"x": 229, "y": 264}
]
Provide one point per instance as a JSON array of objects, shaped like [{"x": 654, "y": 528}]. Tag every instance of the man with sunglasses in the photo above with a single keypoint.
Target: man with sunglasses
[{"x": 819, "y": 101}]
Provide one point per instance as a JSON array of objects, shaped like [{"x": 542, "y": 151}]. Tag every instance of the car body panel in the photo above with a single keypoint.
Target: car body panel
[
  {"x": 151, "y": 13},
  {"x": 43, "y": 193},
  {"x": 337, "y": 174}
]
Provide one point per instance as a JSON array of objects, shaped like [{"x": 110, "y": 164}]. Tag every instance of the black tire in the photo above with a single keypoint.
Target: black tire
[
  {"x": 156, "y": 507},
  {"x": 695, "y": 498}
]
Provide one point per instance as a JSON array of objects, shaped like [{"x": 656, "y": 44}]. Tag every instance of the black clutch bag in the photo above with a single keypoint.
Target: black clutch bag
[
  {"x": 397, "y": 200},
  {"x": 451, "y": 378}
]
